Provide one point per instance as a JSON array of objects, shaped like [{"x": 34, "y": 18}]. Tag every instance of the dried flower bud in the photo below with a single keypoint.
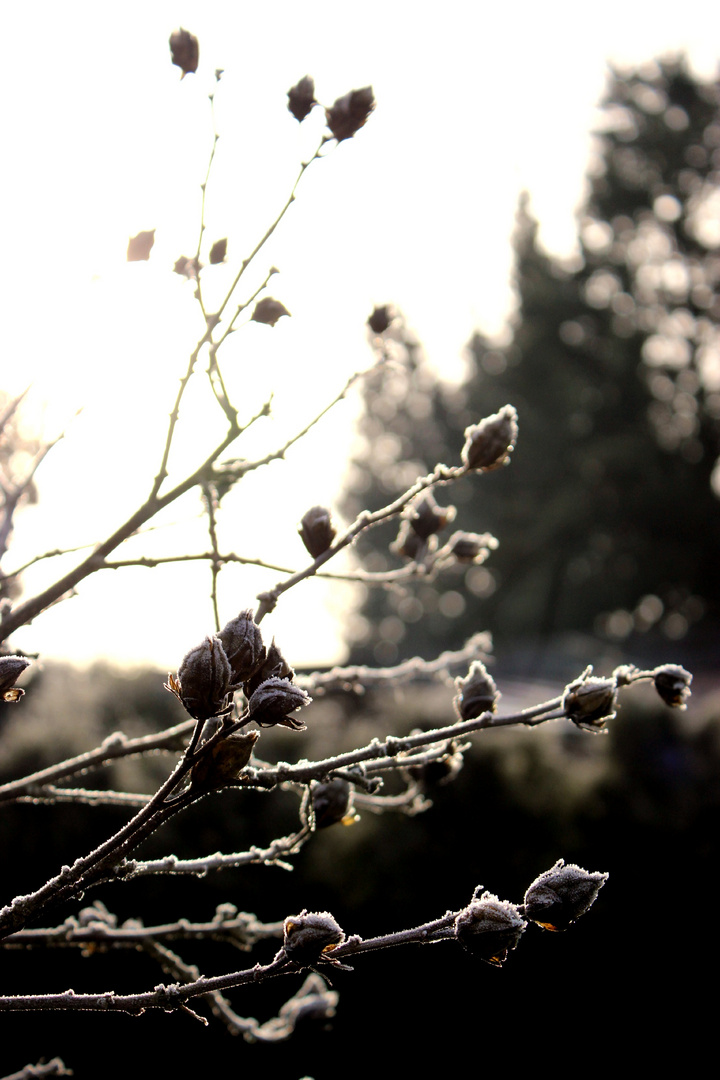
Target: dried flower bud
[
  {"x": 187, "y": 267},
  {"x": 224, "y": 761},
  {"x": 218, "y": 252},
  {"x": 427, "y": 518},
  {"x": 490, "y": 928},
  {"x": 408, "y": 544},
  {"x": 11, "y": 668},
  {"x": 140, "y": 246},
  {"x": 203, "y": 680},
  {"x": 672, "y": 683},
  {"x": 273, "y": 700},
  {"x": 275, "y": 666},
  {"x": 590, "y": 702},
  {"x": 561, "y": 895},
  {"x": 489, "y": 443},
  {"x": 184, "y": 51},
  {"x": 268, "y": 311},
  {"x": 332, "y": 802},
  {"x": 243, "y": 644},
  {"x": 471, "y": 547},
  {"x": 310, "y": 934},
  {"x": 317, "y": 531},
  {"x": 301, "y": 98},
  {"x": 350, "y": 113},
  {"x": 380, "y": 319},
  {"x": 476, "y": 693}
]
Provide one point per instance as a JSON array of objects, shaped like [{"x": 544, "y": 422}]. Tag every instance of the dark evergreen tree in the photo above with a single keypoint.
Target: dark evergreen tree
[{"x": 609, "y": 517}]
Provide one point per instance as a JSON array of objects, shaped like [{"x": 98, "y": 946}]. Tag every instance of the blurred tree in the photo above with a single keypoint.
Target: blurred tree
[{"x": 609, "y": 516}]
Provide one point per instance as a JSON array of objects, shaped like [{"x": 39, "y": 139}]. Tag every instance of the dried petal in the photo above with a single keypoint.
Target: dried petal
[
  {"x": 490, "y": 443},
  {"x": 272, "y": 702},
  {"x": 268, "y": 311},
  {"x": 672, "y": 683},
  {"x": 224, "y": 761},
  {"x": 476, "y": 693},
  {"x": 184, "y": 51},
  {"x": 309, "y": 935},
  {"x": 317, "y": 530},
  {"x": 350, "y": 113},
  {"x": 140, "y": 246},
  {"x": 218, "y": 252},
  {"x": 490, "y": 928},
  {"x": 301, "y": 98},
  {"x": 561, "y": 895}
]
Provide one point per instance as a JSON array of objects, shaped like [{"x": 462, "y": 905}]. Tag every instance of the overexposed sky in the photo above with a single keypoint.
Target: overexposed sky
[{"x": 474, "y": 103}]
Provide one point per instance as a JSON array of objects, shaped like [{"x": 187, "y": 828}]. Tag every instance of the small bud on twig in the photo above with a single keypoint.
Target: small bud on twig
[
  {"x": 184, "y": 51},
  {"x": 309, "y": 935},
  {"x": 11, "y": 668},
  {"x": 590, "y": 702},
  {"x": 268, "y": 311},
  {"x": 561, "y": 895},
  {"x": 408, "y": 544},
  {"x": 489, "y": 443},
  {"x": 317, "y": 531},
  {"x": 350, "y": 113},
  {"x": 301, "y": 98},
  {"x": 380, "y": 318},
  {"x": 490, "y": 928},
  {"x": 672, "y": 683},
  {"x": 476, "y": 693},
  {"x": 427, "y": 518}
]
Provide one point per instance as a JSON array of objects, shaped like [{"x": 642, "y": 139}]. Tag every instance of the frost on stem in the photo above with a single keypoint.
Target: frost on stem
[
  {"x": 561, "y": 895},
  {"x": 490, "y": 928},
  {"x": 490, "y": 443},
  {"x": 11, "y": 668}
]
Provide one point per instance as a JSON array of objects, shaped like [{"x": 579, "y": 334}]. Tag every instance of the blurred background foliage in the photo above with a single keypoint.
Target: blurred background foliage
[
  {"x": 609, "y": 521},
  {"x": 609, "y": 514}
]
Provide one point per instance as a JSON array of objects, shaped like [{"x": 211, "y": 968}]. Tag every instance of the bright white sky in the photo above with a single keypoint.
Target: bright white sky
[{"x": 476, "y": 101}]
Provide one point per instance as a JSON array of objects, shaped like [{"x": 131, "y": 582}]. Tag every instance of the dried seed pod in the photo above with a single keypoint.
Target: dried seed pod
[
  {"x": 11, "y": 668},
  {"x": 301, "y": 98},
  {"x": 672, "y": 683},
  {"x": 317, "y": 531},
  {"x": 184, "y": 51},
  {"x": 427, "y": 518},
  {"x": 268, "y": 311},
  {"x": 471, "y": 547},
  {"x": 310, "y": 934},
  {"x": 224, "y": 761},
  {"x": 218, "y": 252},
  {"x": 490, "y": 443},
  {"x": 561, "y": 895},
  {"x": 380, "y": 318},
  {"x": 140, "y": 246},
  {"x": 332, "y": 802},
  {"x": 275, "y": 666},
  {"x": 243, "y": 644},
  {"x": 408, "y": 544},
  {"x": 590, "y": 702},
  {"x": 490, "y": 928},
  {"x": 476, "y": 693},
  {"x": 274, "y": 700},
  {"x": 203, "y": 680},
  {"x": 350, "y": 112}
]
